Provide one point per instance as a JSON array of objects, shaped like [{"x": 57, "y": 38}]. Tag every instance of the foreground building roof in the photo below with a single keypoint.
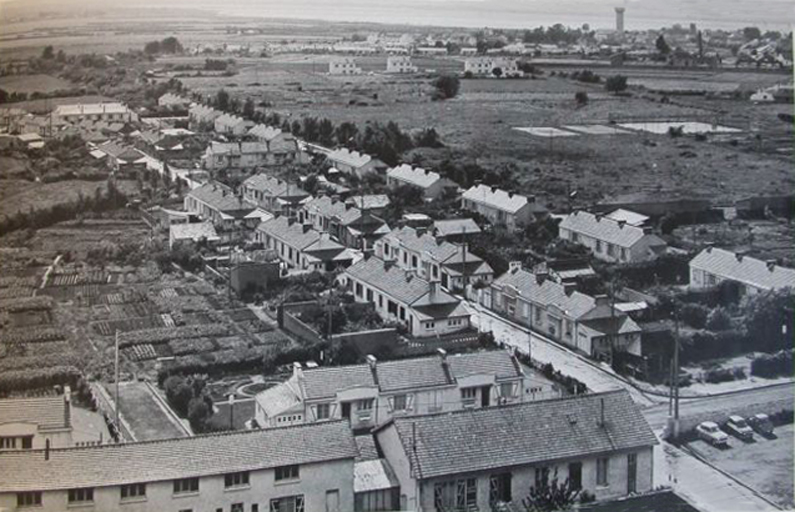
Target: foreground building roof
[
  {"x": 49, "y": 412},
  {"x": 522, "y": 434},
  {"x": 171, "y": 459}
]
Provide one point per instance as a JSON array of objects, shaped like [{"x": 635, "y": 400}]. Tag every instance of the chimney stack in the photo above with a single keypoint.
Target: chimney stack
[
  {"x": 298, "y": 370},
  {"x": 372, "y": 361},
  {"x": 771, "y": 265},
  {"x": 602, "y": 300},
  {"x": 514, "y": 266},
  {"x": 541, "y": 276},
  {"x": 569, "y": 287},
  {"x": 306, "y": 227},
  {"x": 433, "y": 288},
  {"x": 67, "y": 406},
  {"x": 442, "y": 354}
]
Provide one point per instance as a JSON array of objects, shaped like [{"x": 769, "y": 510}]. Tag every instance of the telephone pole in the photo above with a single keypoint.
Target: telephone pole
[{"x": 116, "y": 357}]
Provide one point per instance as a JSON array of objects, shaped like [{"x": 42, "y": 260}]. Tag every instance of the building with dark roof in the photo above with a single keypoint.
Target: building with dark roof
[
  {"x": 302, "y": 247},
  {"x": 480, "y": 458},
  {"x": 373, "y": 393},
  {"x": 219, "y": 204},
  {"x": 30, "y": 423},
  {"x": 433, "y": 259},
  {"x": 273, "y": 194},
  {"x": 558, "y": 311},
  {"x": 295, "y": 468},
  {"x": 617, "y": 241},
  {"x": 352, "y": 226},
  {"x": 400, "y": 295}
]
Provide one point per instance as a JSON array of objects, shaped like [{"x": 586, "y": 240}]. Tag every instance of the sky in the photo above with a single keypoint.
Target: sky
[{"x": 640, "y": 14}]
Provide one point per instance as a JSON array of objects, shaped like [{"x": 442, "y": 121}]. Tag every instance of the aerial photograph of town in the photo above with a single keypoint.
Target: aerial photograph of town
[{"x": 397, "y": 255}]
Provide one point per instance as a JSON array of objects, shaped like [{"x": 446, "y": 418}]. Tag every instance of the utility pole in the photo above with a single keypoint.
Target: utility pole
[
  {"x": 673, "y": 403},
  {"x": 231, "y": 411},
  {"x": 116, "y": 357}
]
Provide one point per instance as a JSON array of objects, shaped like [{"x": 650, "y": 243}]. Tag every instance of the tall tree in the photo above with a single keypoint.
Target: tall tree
[
  {"x": 662, "y": 45},
  {"x": 222, "y": 100}
]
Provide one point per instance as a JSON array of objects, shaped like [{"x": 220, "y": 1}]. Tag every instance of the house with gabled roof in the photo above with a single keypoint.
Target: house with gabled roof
[
  {"x": 455, "y": 229},
  {"x": 219, "y": 204},
  {"x": 111, "y": 111},
  {"x": 32, "y": 423},
  {"x": 231, "y": 125},
  {"x": 122, "y": 158},
  {"x": 400, "y": 295},
  {"x": 353, "y": 227},
  {"x": 373, "y": 393},
  {"x": 373, "y": 203},
  {"x": 434, "y": 259},
  {"x": 201, "y": 117},
  {"x": 353, "y": 162},
  {"x": 489, "y": 459},
  {"x": 305, "y": 467},
  {"x": 430, "y": 183},
  {"x": 301, "y": 247},
  {"x": 713, "y": 266},
  {"x": 173, "y": 101},
  {"x": 591, "y": 325},
  {"x": 501, "y": 207},
  {"x": 273, "y": 194},
  {"x": 616, "y": 241}
]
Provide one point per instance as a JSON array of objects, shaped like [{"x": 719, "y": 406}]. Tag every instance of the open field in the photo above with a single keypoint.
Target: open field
[
  {"x": 33, "y": 83},
  {"x": 44, "y": 195},
  {"x": 764, "y": 464}
]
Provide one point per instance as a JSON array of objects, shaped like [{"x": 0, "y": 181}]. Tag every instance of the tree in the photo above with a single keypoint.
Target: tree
[
  {"x": 178, "y": 393},
  {"x": 198, "y": 413},
  {"x": 662, "y": 45},
  {"x": 447, "y": 86},
  {"x": 48, "y": 52},
  {"x": 751, "y": 33},
  {"x": 170, "y": 45},
  {"x": 326, "y": 132},
  {"x": 581, "y": 97},
  {"x": 152, "y": 48},
  {"x": 248, "y": 108},
  {"x": 616, "y": 83},
  {"x": 551, "y": 496},
  {"x": 428, "y": 138},
  {"x": 346, "y": 132},
  {"x": 222, "y": 99},
  {"x": 497, "y": 72}
]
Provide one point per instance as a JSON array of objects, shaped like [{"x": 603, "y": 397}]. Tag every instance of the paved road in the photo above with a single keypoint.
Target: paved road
[
  {"x": 724, "y": 404},
  {"x": 597, "y": 376}
]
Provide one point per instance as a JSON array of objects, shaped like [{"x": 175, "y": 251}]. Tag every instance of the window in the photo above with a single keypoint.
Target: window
[
  {"x": 237, "y": 507},
  {"x": 400, "y": 402},
  {"x": 575, "y": 237},
  {"x": 380, "y": 301},
  {"x": 288, "y": 504},
  {"x": 624, "y": 253},
  {"x": 500, "y": 488},
  {"x": 287, "y": 473},
  {"x": 359, "y": 290},
  {"x": 28, "y": 499},
  {"x": 598, "y": 246},
  {"x": 538, "y": 313},
  {"x": 185, "y": 485},
  {"x": 369, "y": 295},
  {"x": 365, "y": 404},
  {"x": 455, "y": 495},
  {"x": 27, "y": 442},
  {"x": 632, "y": 473},
  {"x": 541, "y": 477},
  {"x": 81, "y": 495},
  {"x": 323, "y": 411},
  {"x": 236, "y": 479},
  {"x": 133, "y": 491},
  {"x": 402, "y": 313},
  {"x": 413, "y": 262},
  {"x": 8, "y": 443},
  {"x": 601, "y": 472},
  {"x": 468, "y": 396},
  {"x": 435, "y": 401},
  {"x": 611, "y": 250},
  {"x": 391, "y": 307},
  {"x": 430, "y": 325},
  {"x": 506, "y": 389},
  {"x": 254, "y": 507}
]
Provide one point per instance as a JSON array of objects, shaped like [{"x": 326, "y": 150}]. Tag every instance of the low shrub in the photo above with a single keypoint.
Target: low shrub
[{"x": 772, "y": 365}]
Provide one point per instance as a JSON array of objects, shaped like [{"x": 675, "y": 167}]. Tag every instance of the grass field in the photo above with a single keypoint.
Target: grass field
[
  {"x": 143, "y": 414},
  {"x": 44, "y": 195},
  {"x": 33, "y": 83}
]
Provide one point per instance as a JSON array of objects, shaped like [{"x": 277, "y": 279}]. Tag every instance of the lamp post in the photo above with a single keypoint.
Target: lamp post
[{"x": 231, "y": 411}]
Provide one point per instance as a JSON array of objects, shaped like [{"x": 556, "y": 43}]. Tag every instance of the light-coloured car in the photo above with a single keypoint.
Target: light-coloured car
[
  {"x": 740, "y": 428},
  {"x": 711, "y": 433},
  {"x": 761, "y": 423}
]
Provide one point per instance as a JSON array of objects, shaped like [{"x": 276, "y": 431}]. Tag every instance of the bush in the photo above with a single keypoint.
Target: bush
[
  {"x": 616, "y": 83},
  {"x": 772, "y": 365},
  {"x": 694, "y": 315},
  {"x": 447, "y": 86},
  {"x": 719, "y": 320},
  {"x": 581, "y": 97},
  {"x": 718, "y": 375},
  {"x": 199, "y": 411}
]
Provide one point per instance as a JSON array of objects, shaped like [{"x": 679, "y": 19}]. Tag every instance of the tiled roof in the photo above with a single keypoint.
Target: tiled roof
[
  {"x": 370, "y": 201},
  {"x": 546, "y": 293},
  {"x": 373, "y": 475},
  {"x": 328, "y": 208},
  {"x": 426, "y": 244},
  {"x": 416, "y": 176},
  {"x": 395, "y": 282},
  {"x": 294, "y": 235},
  {"x": 120, "y": 152},
  {"x": 744, "y": 269},
  {"x": 406, "y": 374},
  {"x": 347, "y": 157},
  {"x": 204, "y": 111},
  {"x": 454, "y": 227},
  {"x": 229, "y": 120},
  {"x": 496, "y": 198},
  {"x": 630, "y": 217},
  {"x": 264, "y": 132},
  {"x": 46, "y": 412},
  {"x": 522, "y": 434},
  {"x": 604, "y": 229},
  {"x": 237, "y": 148},
  {"x": 193, "y": 231},
  {"x": 274, "y": 187},
  {"x": 221, "y": 198},
  {"x": 278, "y": 399},
  {"x": 153, "y": 461},
  {"x": 90, "y": 109}
]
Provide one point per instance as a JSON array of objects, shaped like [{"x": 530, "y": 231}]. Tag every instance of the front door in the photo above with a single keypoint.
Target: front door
[
  {"x": 346, "y": 410},
  {"x": 485, "y": 396},
  {"x": 632, "y": 472},
  {"x": 333, "y": 501}
]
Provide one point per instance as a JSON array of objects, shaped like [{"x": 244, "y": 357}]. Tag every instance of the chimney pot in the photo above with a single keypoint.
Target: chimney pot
[
  {"x": 442, "y": 354},
  {"x": 514, "y": 266},
  {"x": 372, "y": 361},
  {"x": 771, "y": 265}
]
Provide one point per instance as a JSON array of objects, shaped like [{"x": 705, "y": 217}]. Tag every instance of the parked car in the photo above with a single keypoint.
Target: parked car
[
  {"x": 761, "y": 423},
  {"x": 685, "y": 379},
  {"x": 711, "y": 433},
  {"x": 740, "y": 428}
]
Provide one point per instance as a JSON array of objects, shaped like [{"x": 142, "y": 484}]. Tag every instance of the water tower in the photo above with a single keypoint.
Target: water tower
[{"x": 620, "y": 19}]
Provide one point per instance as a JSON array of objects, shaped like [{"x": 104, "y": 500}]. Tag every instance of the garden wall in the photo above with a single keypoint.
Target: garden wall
[{"x": 289, "y": 321}]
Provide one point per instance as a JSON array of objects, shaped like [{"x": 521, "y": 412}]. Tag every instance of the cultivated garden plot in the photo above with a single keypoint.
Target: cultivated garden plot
[{"x": 689, "y": 127}]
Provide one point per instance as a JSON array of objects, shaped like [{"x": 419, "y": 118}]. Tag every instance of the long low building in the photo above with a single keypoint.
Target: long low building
[
  {"x": 489, "y": 459},
  {"x": 713, "y": 266},
  {"x": 301, "y": 247},
  {"x": 307, "y": 467}
]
